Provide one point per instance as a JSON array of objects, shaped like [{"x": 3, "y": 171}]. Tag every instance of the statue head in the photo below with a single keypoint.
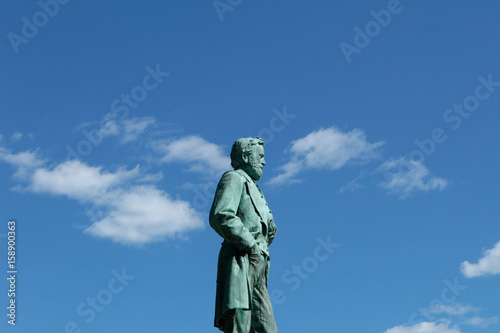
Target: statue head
[{"x": 248, "y": 154}]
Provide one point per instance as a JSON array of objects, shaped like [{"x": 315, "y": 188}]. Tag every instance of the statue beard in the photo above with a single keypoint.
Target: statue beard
[{"x": 253, "y": 168}]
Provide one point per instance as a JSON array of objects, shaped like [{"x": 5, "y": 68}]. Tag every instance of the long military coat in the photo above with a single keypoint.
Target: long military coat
[{"x": 242, "y": 217}]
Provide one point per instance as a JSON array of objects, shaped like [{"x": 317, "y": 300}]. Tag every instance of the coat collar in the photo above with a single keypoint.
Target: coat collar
[{"x": 245, "y": 175}]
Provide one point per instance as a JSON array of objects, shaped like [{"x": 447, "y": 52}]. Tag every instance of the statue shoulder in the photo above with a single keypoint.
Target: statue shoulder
[
  {"x": 231, "y": 178},
  {"x": 235, "y": 175}
]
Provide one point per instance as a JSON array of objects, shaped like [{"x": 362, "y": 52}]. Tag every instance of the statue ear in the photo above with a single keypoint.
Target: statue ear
[{"x": 245, "y": 158}]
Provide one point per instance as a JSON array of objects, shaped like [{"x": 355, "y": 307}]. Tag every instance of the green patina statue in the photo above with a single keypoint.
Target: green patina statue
[{"x": 241, "y": 216}]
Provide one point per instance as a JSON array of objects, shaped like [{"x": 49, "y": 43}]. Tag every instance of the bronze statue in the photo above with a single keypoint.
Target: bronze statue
[{"x": 241, "y": 216}]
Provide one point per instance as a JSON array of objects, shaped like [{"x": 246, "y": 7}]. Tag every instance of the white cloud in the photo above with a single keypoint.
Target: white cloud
[
  {"x": 481, "y": 322},
  {"x": 489, "y": 264},
  {"x": 144, "y": 214},
  {"x": 327, "y": 149},
  {"x": 289, "y": 170},
  {"x": 16, "y": 136},
  {"x": 404, "y": 177},
  {"x": 425, "y": 327},
  {"x": 123, "y": 212},
  {"x": 77, "y": 180},
  {"x": 25, "y": 159},
  {"x": 330, "y": 148},
  {"x": 124, "y": 205},
  {"x": 454, "y": 309},
  {"x": 201, "y": 155}
]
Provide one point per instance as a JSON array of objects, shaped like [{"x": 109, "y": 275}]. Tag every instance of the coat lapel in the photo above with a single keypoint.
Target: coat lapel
[{"x": 256, "y": 196}]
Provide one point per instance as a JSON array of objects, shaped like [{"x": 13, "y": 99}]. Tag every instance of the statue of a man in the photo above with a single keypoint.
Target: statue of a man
[{"x": 241, "y": 216}]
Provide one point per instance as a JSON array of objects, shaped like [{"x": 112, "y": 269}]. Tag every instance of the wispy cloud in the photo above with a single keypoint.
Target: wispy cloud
[
  {"x": 481, "y": 322},
  {"x": 404, "y": 177},
  {"x": 328, "y": 149},
  {"x": 425, "y": 327},
  {"x": 27, "y": 159},
  {"x": 353, "y": 185},
  {"x": 288, "y": 171},
  {"x": 126, "y": 130},
  {"x": 133, "y": 128},
  {"x": 332, "y": 149},
  {"x": 489, "y": 264},
  {"x": 199, "y": 154},
  {"x": 124, "y": 204},
  {"x": 16, "y": 136},
  {"x": 448, "y": 319},
  {"x": 24, "y": 161},
  {"x": 454, "y": 309}
]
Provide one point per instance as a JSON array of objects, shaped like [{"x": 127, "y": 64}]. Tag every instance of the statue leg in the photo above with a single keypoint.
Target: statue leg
[
  {"x": 260, "y": 319},
  {"x": 262, "y": 311}
]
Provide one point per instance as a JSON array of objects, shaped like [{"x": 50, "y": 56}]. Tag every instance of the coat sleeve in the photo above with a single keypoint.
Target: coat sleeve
[{"x": 223, "y": 216}]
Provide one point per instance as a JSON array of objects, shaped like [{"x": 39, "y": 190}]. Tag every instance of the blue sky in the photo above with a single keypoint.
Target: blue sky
[{"x": 380, "y": 120}]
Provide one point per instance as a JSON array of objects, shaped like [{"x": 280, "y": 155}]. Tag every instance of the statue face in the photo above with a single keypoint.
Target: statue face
[{"x": 255, "y": 162}]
